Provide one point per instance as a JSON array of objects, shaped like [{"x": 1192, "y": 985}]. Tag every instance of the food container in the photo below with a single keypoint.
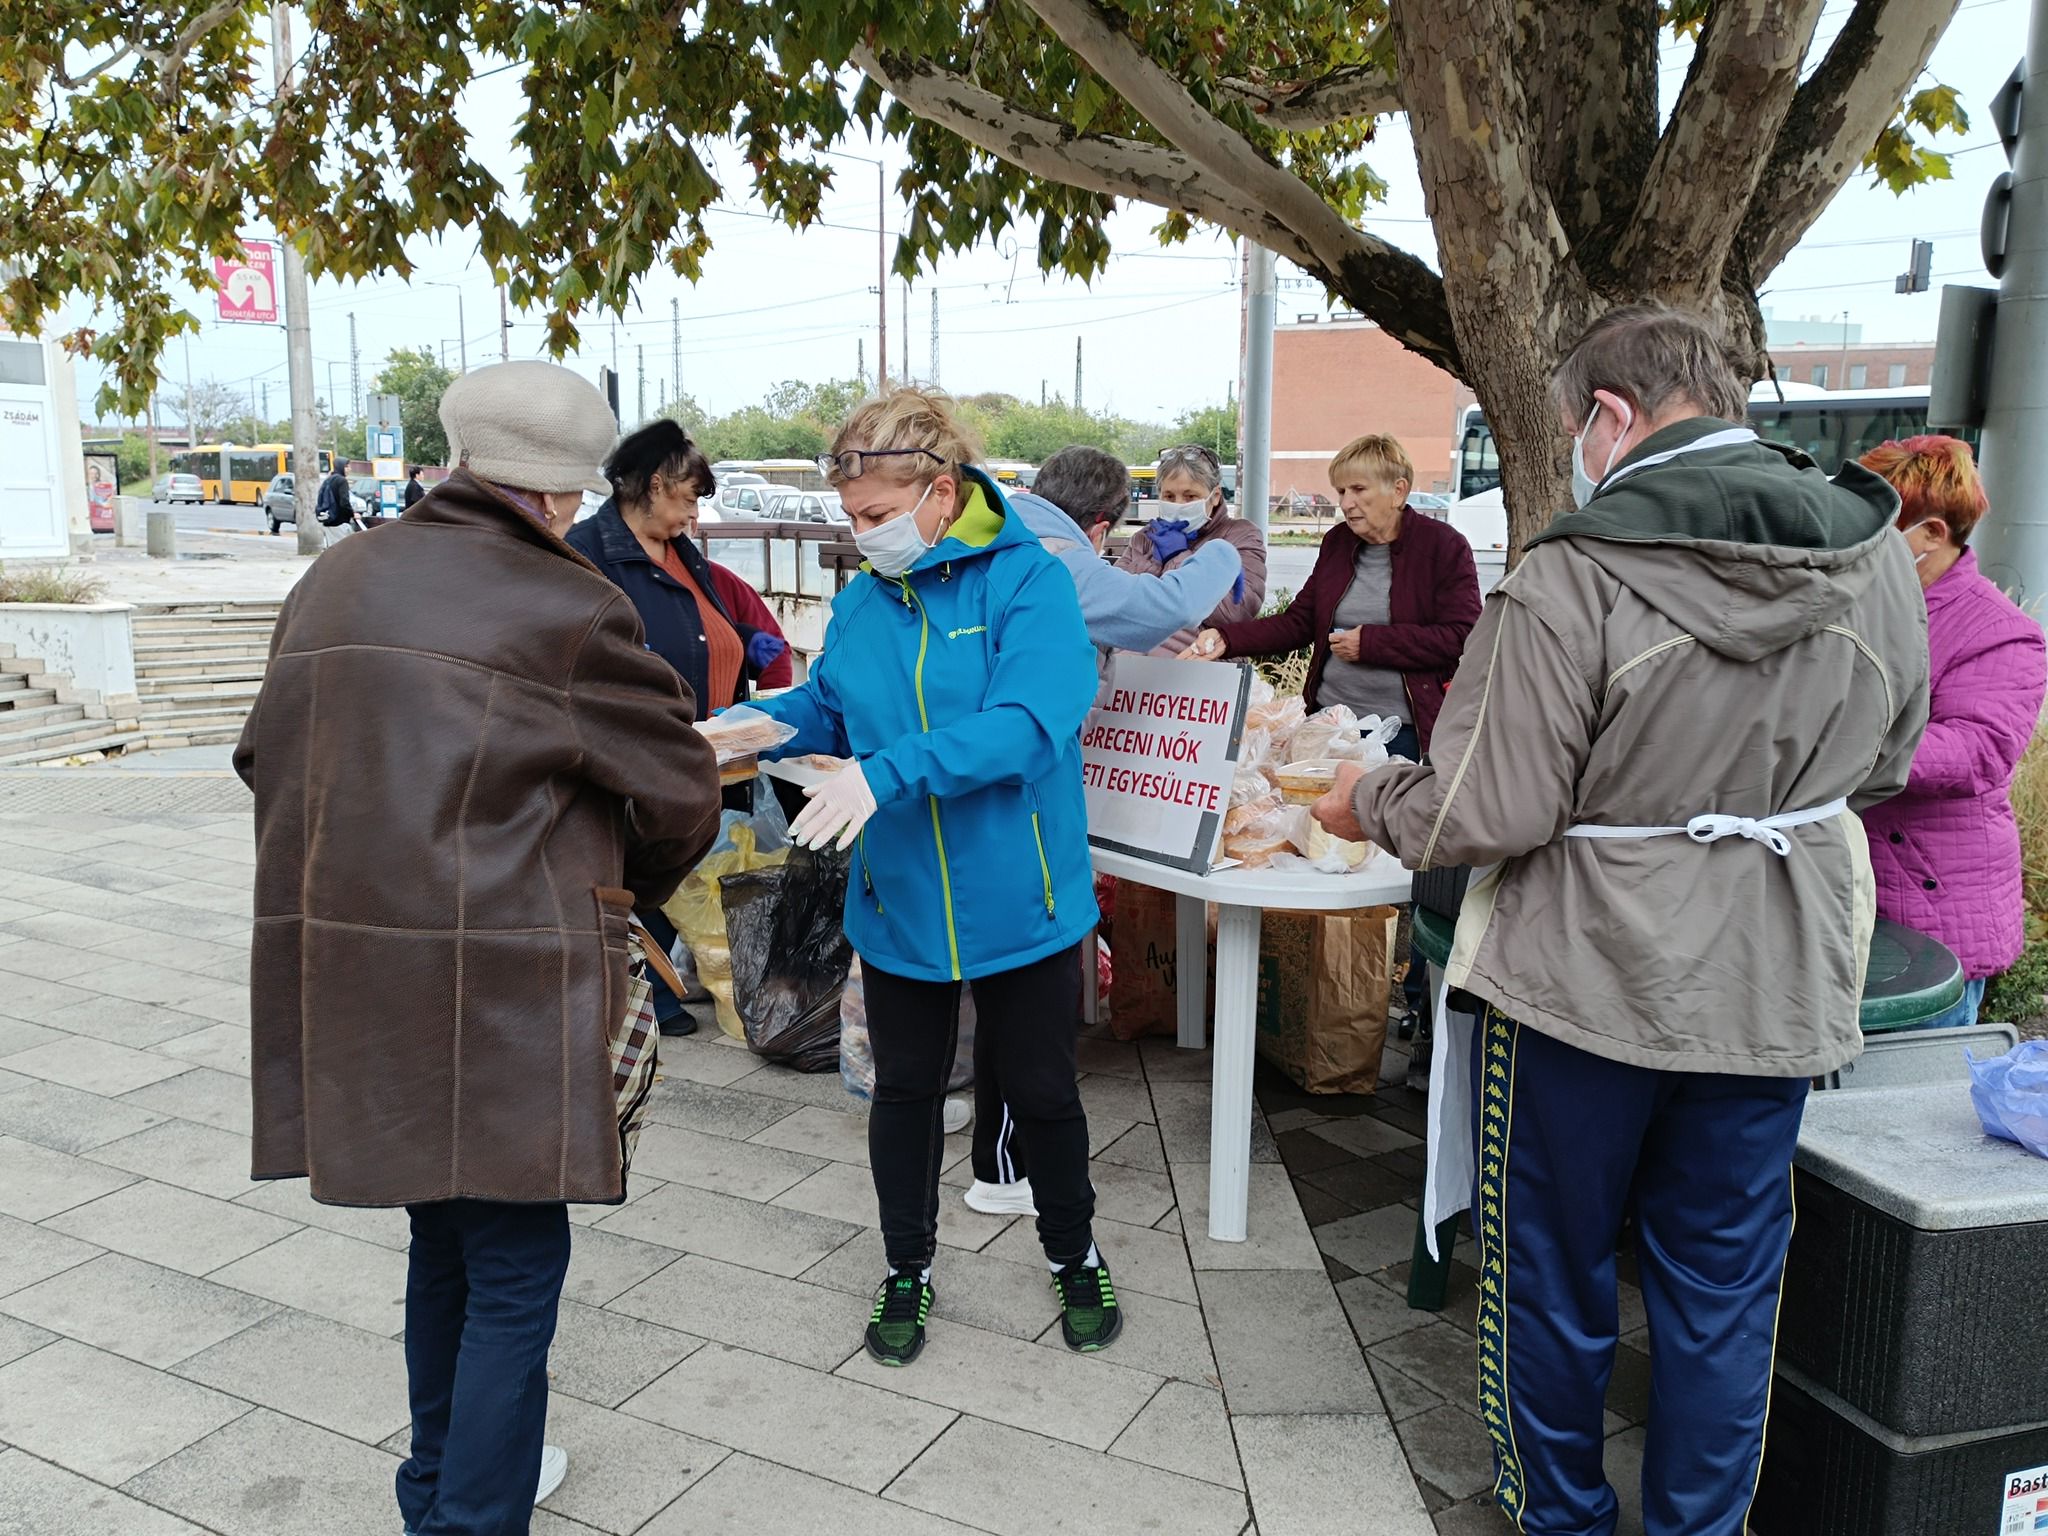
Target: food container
[{"x": 1306, "y": 782}]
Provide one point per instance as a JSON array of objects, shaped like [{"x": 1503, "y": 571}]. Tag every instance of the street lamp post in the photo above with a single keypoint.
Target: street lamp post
[
  {"x": 460, "y": 323},
  {"x": 881, "y": 270}
]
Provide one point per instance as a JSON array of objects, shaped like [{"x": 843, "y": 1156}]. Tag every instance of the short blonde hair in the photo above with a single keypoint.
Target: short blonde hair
[
  {"x": 1374, "y": 454},
  {"x": 908, "y": 416}
]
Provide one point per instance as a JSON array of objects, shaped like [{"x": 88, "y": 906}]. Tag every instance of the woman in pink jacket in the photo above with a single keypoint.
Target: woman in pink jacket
[{"x": 1947, "y": 851}]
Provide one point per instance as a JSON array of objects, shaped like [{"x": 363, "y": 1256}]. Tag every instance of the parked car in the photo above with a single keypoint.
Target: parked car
[
  {"x": 280, "y": 503},
  {"x": 178, "y": 488},
  {"x": 740, "y": 497},
  {"x": 793, "y": 506},
  {"x": 366, "y": 493},
  {"x": 1437, "y": 502}
]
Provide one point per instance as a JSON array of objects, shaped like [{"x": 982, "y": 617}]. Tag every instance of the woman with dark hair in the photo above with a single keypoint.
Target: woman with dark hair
[
  {"x": 1946, "y": 851},
  {"x": 700, "y": 618}
]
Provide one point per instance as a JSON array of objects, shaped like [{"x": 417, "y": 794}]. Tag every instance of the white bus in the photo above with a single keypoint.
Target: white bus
[{"x": 1832, "y": 426}]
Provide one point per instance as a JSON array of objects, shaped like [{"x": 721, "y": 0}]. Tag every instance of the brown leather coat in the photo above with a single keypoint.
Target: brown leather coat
[{"x": 468, "y": 769}]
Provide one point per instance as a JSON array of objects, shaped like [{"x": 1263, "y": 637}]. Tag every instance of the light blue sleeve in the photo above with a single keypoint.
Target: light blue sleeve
[
  {"x": 1039, "y": 691},
  {"x": 1130, "y": 611},
  {"x": 813, "y": 708}
]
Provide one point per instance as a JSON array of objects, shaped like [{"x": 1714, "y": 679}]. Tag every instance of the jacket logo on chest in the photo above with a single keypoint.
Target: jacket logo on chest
[{"x": 972, "y": 629}]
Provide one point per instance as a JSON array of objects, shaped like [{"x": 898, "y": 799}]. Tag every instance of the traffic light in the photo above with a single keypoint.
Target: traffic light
[{"x": 1919, "y": 269}]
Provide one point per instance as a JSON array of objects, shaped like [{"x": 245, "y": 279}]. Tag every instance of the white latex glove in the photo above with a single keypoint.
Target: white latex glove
[{"x": 839, "y": 807}]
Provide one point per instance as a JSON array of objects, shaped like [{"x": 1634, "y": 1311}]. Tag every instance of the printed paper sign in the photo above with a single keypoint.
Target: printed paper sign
[
  {"x": 2026, "y": 1502},
  {"x": 1158, "y": 755},
  {"x": 248, "y": 288}
]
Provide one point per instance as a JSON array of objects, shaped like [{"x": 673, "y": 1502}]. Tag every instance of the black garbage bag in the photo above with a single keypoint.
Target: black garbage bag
[{"x": 789, "y": 956}]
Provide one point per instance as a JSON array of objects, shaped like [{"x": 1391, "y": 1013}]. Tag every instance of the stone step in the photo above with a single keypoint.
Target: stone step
[
  {"x": 99, "y": 741},
  {"x": 160, "y": 738},
  {"x": 177, "y": 613},
  {"x": 20, "y": 696},
  {"x": 157, "y": 698},
  {"x": 183, "y": 655},
  {"x": 174, "y": 679},
  {"x": 223, "y": 669},
  {"x": 169, "y": 634},
  {"x": 61, "y": 739},
  {"x": 23, "y": 722},
  {"x": 183, "y": 724}
]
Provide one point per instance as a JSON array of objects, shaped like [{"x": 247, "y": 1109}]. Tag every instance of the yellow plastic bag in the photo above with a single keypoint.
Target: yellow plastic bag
[{"x": 699, "y": 915}]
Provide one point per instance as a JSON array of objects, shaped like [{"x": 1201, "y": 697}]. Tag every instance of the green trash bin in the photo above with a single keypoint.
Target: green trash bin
[{"x": 1910, "y": 979}]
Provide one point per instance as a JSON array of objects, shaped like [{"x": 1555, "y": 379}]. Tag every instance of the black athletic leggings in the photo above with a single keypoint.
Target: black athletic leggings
[{"x": 1029, "y": 1019}]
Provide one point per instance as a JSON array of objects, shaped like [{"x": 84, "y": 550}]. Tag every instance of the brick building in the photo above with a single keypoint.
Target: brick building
[
  {"x": 1338, "y": 376},
  {"x": 1860, "y": 365}
]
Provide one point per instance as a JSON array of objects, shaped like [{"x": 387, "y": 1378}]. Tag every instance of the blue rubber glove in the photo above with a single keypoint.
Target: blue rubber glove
[
  {"x": 1237, "y": 588},
  {"x": 764, "y": 648},
  {"x": 1170, "y": 536}
]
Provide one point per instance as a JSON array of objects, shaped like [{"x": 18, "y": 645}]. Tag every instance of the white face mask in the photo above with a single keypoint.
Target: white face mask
[
  {"x": 892, "y": 548},
  {"x": 1583, "y": 484},
  {"x": 1921, "y": 558}
]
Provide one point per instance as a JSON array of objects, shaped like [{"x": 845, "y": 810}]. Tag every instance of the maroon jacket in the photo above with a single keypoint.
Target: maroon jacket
[{"x": 1434, "y": 602}]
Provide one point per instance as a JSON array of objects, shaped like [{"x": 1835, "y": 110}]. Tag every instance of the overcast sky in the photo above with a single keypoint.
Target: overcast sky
[{"x": 1159, "y": 330}]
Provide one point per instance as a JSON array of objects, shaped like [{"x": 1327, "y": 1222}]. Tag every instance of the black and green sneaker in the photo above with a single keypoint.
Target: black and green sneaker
[
  {"x": 896, "y": 1331},
  {"x": 1089, "y": 1315}
]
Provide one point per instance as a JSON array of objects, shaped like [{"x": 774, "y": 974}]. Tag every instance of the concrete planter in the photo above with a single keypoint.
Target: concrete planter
[{"x": 87, "y": 649}]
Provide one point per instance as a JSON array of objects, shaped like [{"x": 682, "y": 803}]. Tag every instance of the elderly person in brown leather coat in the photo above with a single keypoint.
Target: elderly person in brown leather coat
[{"x": 468, "y": 770}]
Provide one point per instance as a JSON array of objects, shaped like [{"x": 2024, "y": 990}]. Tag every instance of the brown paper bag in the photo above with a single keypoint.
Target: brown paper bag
[
  {"x": 1144, "y": 998},
  {"x": 1324, "y": 980}
]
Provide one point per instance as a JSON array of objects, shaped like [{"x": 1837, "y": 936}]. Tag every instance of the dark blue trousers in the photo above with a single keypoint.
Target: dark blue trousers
[
  {"x": 1571, "y": 1144},
  {"x": 481, "y": 1295}
]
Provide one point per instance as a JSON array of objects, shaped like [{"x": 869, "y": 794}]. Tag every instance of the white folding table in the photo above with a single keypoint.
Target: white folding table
[{"x": 1241, "y": 895}]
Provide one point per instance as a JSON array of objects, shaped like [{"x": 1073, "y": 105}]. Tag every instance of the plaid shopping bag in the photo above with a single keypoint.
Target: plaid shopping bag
[{"x": 636, "y": 1037}]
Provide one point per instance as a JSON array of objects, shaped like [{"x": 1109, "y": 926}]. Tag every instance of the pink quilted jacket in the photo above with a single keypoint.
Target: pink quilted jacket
[{"x": 1947, "y": 851}]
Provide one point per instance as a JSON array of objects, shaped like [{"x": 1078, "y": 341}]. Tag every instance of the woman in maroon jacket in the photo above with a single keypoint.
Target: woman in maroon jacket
[{"x": 1388, "y": 606}]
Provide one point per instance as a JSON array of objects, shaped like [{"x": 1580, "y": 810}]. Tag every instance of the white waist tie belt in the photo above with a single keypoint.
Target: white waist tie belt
[{"x": 1768, "y": 830}]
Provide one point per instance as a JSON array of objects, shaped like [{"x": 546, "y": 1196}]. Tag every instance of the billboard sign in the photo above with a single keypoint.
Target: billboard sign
[{"x": 248, "y": 287}]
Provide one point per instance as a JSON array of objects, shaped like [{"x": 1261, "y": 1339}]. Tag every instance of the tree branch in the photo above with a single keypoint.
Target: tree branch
[
  {"x": 1341, "y": 96},
  {"x": 1219, "y": 149},
  {"x": 1740, "y": 88},
  {"x": 1835, "y": 118},
  {"x": 1382, "y": 282},
  {"x": 1048, "y": 148}
]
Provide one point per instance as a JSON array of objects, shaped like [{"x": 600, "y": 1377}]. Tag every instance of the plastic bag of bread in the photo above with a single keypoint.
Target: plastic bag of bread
[
  {"x": 1254, "y": 758},
  {"x": 1262, "y": 838},
  {"x": 1239, "y": 817},
  {"x": 1280, "y": 718},
  {"x": 743, "y": 732},
  {"x": 1327, "y": 733}
]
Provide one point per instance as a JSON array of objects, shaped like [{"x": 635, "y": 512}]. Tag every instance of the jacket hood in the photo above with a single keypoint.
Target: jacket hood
[
  {"x": 985, "y": 525},
  {"x": 1746, "y": 546},
  {"x": 1053, "y": 520}
]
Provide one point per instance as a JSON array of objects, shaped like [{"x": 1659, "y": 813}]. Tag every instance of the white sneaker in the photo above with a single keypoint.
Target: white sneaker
[
  {"x": 958, "y": 1113},
  {"x": 1002, "y": 1199},
  {"x": 554, "y": 1466}
]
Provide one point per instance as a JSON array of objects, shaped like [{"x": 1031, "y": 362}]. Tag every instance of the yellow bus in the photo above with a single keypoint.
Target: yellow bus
[{"x": 232, "y": 474}]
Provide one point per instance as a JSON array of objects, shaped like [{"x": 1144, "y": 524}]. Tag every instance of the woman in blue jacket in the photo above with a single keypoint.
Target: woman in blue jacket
[{"x": 956, "y": 675}]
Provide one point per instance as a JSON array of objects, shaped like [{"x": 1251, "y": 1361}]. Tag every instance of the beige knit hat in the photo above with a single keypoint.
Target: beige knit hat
[{"x": 533, "y": 426}]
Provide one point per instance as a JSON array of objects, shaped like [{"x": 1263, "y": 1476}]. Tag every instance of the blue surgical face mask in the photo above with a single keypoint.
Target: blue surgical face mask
[
  {"x": 1583, "y": 484},
  {"x": 892, "y": 548}
]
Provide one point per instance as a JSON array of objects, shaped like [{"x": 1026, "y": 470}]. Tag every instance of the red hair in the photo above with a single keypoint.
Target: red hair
[{"x": 1935, "y": 476}]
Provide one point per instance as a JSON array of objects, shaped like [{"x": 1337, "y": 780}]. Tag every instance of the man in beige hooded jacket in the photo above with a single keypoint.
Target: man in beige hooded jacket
[{"x": 1659, "y": 731}]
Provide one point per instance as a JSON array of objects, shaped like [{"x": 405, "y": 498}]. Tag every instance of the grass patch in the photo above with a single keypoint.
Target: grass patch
[
  {"x": 2018, "y": 995},
  {"x": 50, "y": 584}
]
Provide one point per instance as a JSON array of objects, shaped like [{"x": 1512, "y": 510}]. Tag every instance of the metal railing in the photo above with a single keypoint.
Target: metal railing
[{"x": 784, "y": 559}]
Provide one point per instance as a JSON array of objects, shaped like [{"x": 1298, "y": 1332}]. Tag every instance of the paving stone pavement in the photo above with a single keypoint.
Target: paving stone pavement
[{"x": 183, "y": 1351}]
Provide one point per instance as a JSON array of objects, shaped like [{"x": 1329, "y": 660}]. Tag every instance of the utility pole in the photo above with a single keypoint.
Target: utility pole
[
  {"x": 298, "y": 334},
  {"x": 2012, "y": 543},
  {"x": 1256, "y": 419},
  {"x": 906, "y": 333},
  {"x": 615, "y": 344},
  {"x": 460, "y": 324},
  {"x": 152, "y": 441},
  {"x": 1845, "y": 351},
  {"x": 1077, "y": 373},
  {"x": 641, "y": 368},
  {"x": 191, "y": 437},
  {"x": 266, "y": 405},
  {"x": 355, "y": 373},
  {"x": 935, "y": 338},
  {"x": 504, "y": 327},
  {"x": 881, "y": 286},
  {"x": 675, "y": 333},
  {"x": 860, "y": 359}
]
